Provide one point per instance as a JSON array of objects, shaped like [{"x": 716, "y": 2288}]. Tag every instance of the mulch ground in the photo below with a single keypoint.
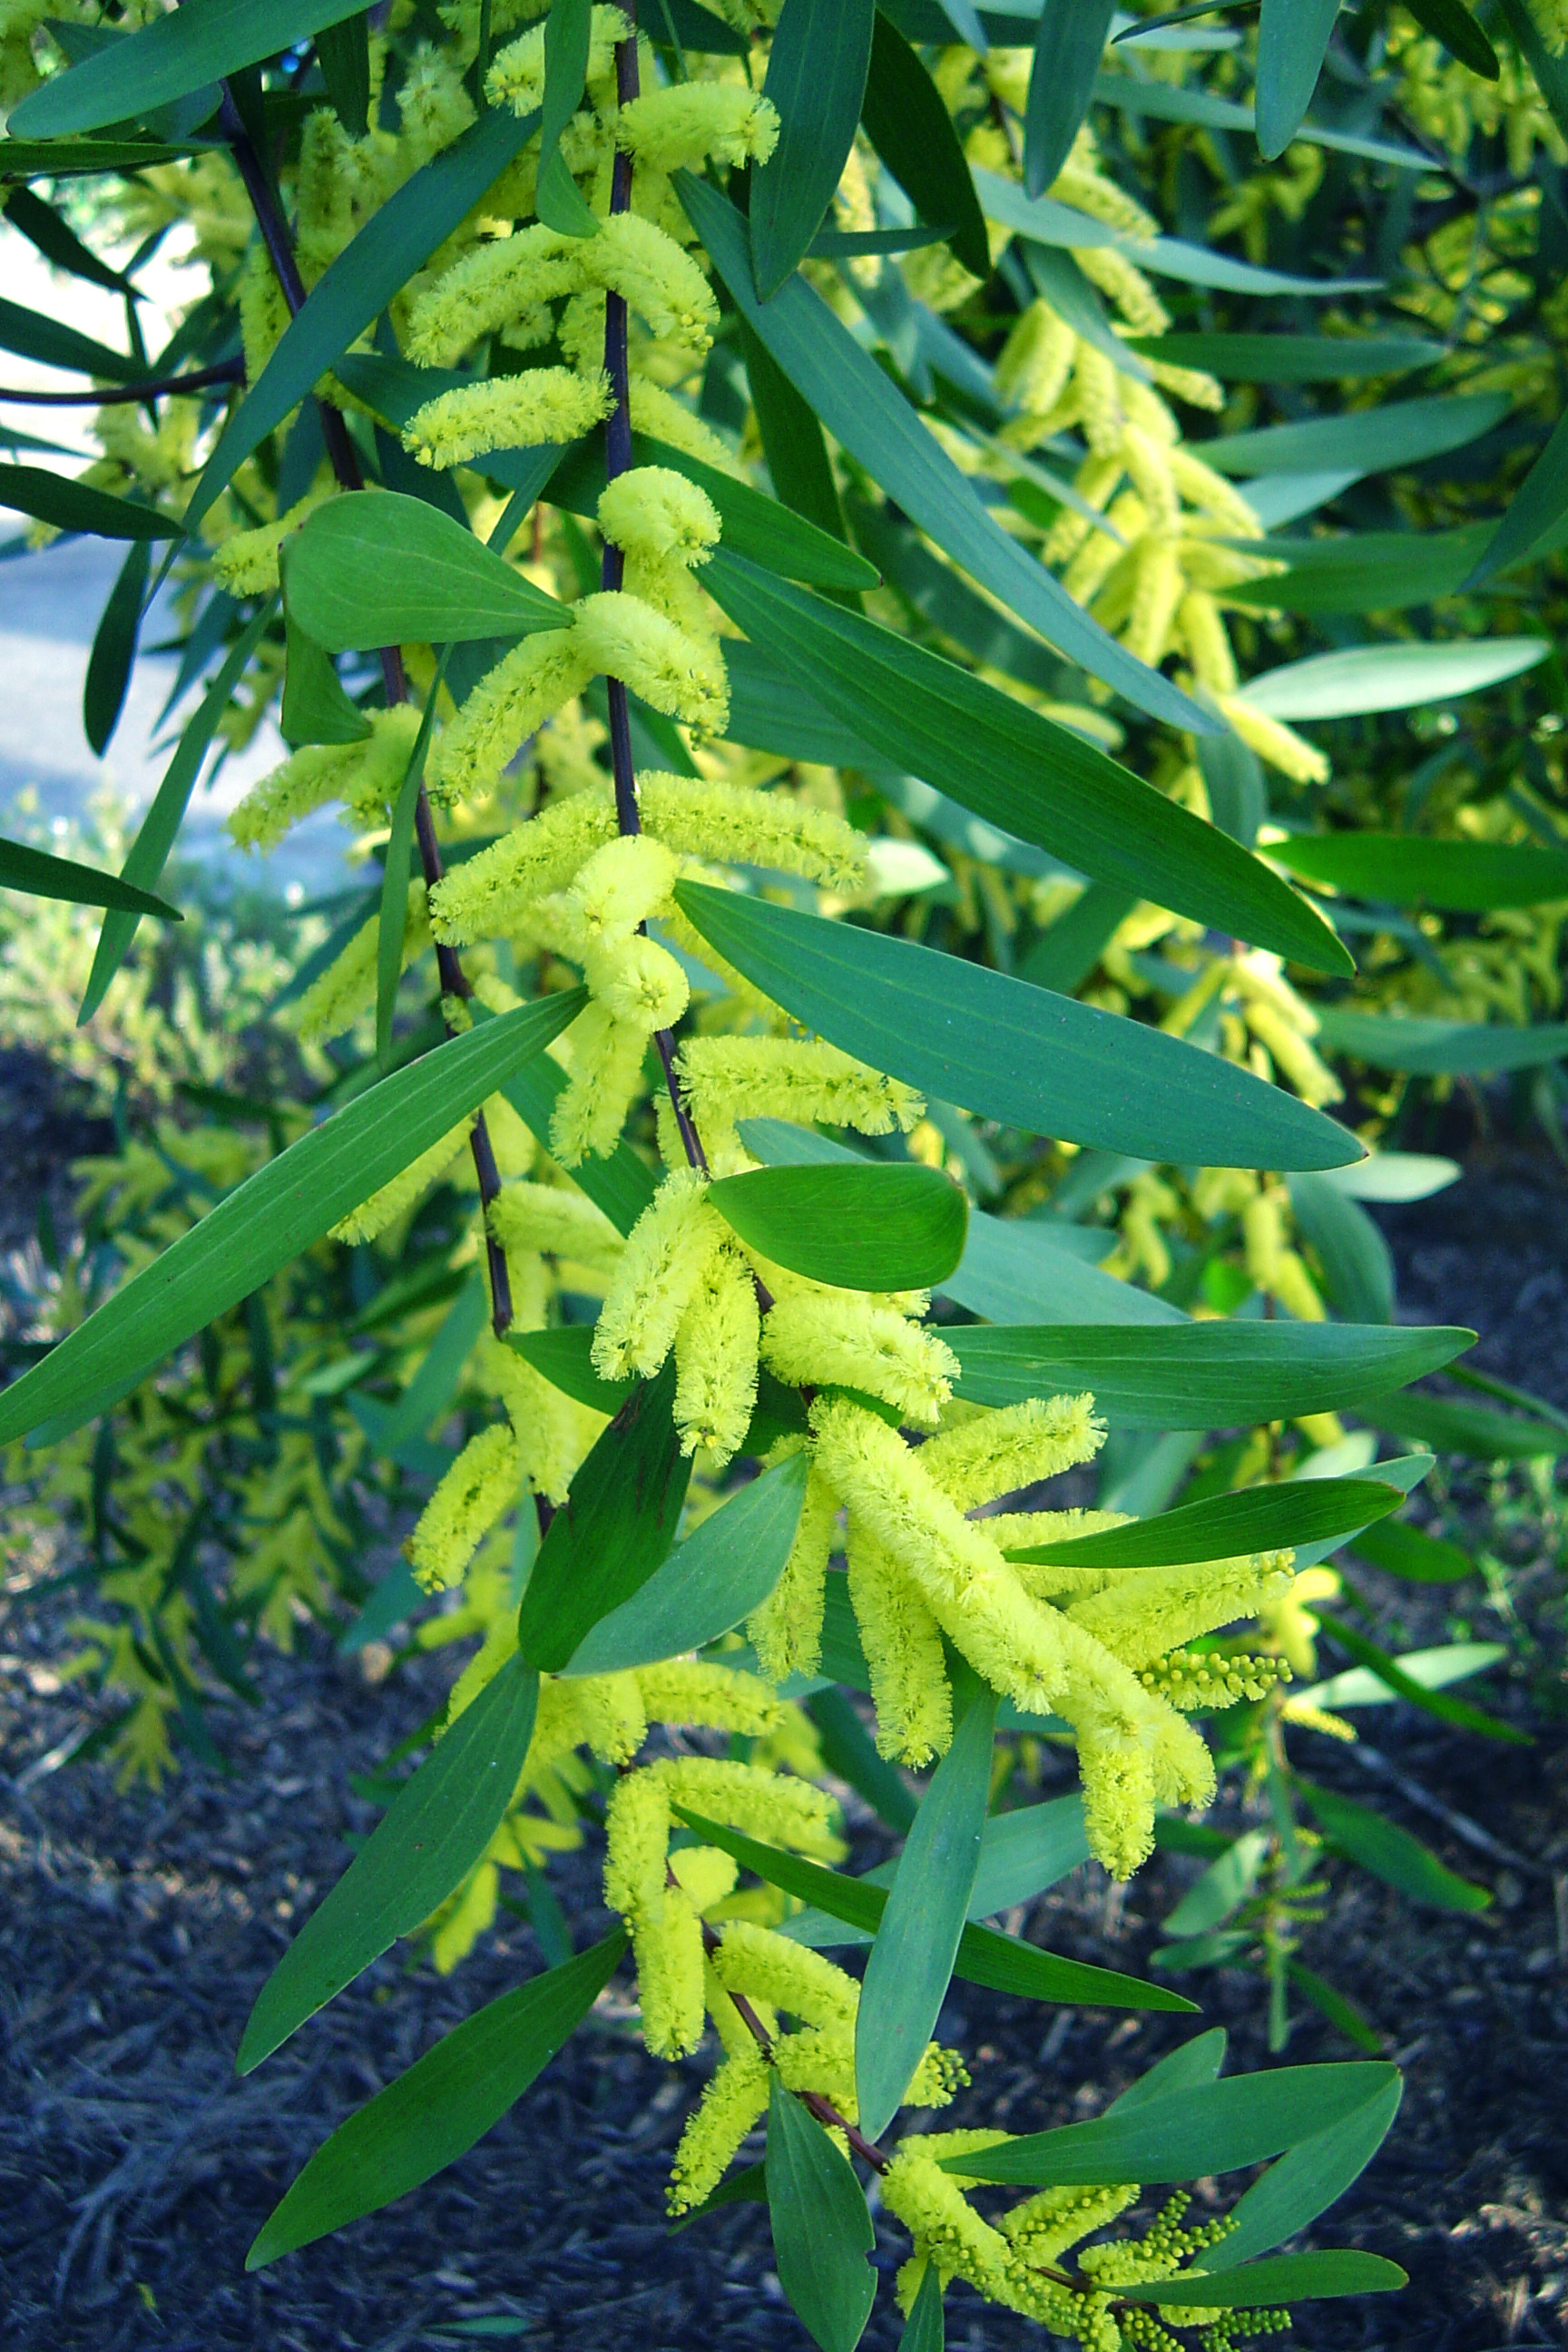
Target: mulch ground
[{"x": 135, "y": 2168}]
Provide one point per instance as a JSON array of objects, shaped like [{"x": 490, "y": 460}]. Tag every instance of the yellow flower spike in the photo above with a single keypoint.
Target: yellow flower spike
[
  {"x": 734, "y": 2101},
  {"x": 637, "y": 1839},
  {"x": 1157, "y": 590},
  {"x": 996, "y": 1452},
  {"x": 902, "y": 1642},
  {"x": 433, "y": 109},
  {"x": 1214, "y": 496},
  {"x": 762, "y": 1803},
  {"x": 263, "y": 311},
  {"x": 707, "y": 1693},
  {"x": 490, "y": 288},
  {"x": 1127, "y": 287},
  {"x": 1148, "y": 461},
  {"x": 606, "y": 1078},
  {"x": 716, "y": 1358},
  {"x": 790, "y": 1974},
  {"x": 619, "y": 886},
  {"x": 705, "y": 816},
  {"x": 516, "y": 76},
  {"x": 562, "y": 1223},
  {"x": 246, "y": 564},
  {"x": 820, "y": 1336},
  {"x": 1035, "y": 361},
  {"x": 613, "y": 1717},
  {"x": 365, "y": 776},
  {"x": 1552, "y": 18},
  {"x": 667, "y": 1941},
  {"x": 1118, "y": 1776},
  {"x": 470, "y": 1914},
  {"x": 635, "y": 258},
  {"x": 786, "y": 1631},
  {"x": 639, "y": 984},
  {"x": 704, "y": 1874},
  {"x": 652, "y": 511},
  {"x": 347, "y": 987},
  {"x": 509, "y": 703},
  {"x": 1285, "y": 1620},
  {"x": 1046, "y": 2226},
  {"x": 1203, "y": 633},
  {"x": 660, "y": 414},
  {"x": 933, "y": 2207},
  {"x": 697, "y": 121},
  {"x": 487, "y": 895},
  {"x": 666, "y": 1254},
  {"x": 1146, "y": 1612},
  {"x": 383, "y": 1208},
  {"x": 469, "y": 1499},
  {"x": 680, "y": 674},
  {"x": 511, "y": 412}
]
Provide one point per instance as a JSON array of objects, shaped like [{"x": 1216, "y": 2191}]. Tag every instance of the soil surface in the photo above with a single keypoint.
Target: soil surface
[{"x": 135, "y": 2168}]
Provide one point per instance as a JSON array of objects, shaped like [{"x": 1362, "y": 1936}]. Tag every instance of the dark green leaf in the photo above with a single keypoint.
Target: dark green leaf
[
  {"x": 614, "y": 1530},
  {"x": 1433, "y": 1048},
  {"x": 907, "y": 123},
  {"x": 1539, "y": 509},
  {"x": 173, "y": 56},
  {"x": 432, "y": 2114},
  {"x": 59, "y": 242},
  {"x": 1411, "y": 1554},
  {"x": 1259, "y": 1519},
  {"x": 374, "y": 567},
  {"x": 849, "y": 1750},
  {"x": 860, "y": 1227},
  {"x": 792, "y": 441},
  {"x": 707, "y": 1584},
  {"x": 1291, "y": 359},
  {"x": 1551, "y": 72},
  {"x": 47, "y": 159},
  {"x": 1204, "y": 1375},
  {"x": 1068, "y": 951},
  {"x": 33, "y": 335},
  {"x": 44, "y": 876},
  {"x": 1015, "y": 767},
  {"x": 1369, "y": 441},
  {"x": 1069, "y": 42},
  {"x": 273, "y": 1215},
  {"x": 1405, "y": 1685},
  {"x": 1167, "y": 102},
  {"x": 342, "y": 52},
  {"x": 816, "y": 78},
  {"x": 1287, "y": 2278},
  {"x": 1358, "y": 1268},
  {"x": 1293, "y": 2193},
  {"x": 76, "y": 506},
  {"x": 917, "y": 1939},
  {"x": 1366, "y": 571},
  {"x": 1009, "y": 1052},
  {"x": 1450, "y": 22},
  {"x": 426, "y": 1844},
  {"x": 396, "y": 242},
  {"x": 564, "y": 1358},
  {"x": 923, "y": 2330},
  {"x": 1226, "y": 1884},
  {"x": 865, "y": 412},
  {"x": 315, "y": 708},
  {"x": 1202, "y": 2129},
  {"x": 1390, "y": 1853},
  {"x": 1195, "y": 2062},
  {"x": 1405, "y": 870},
  {"x": 822, "y": 2230},
  {"x": 155, "y": 836},
  {"x": 620, "y": 1183},
  {"x": 559, "y": 203},
  {"x": 1292, "y": 41},
  {"x": 113, "y": 652}
]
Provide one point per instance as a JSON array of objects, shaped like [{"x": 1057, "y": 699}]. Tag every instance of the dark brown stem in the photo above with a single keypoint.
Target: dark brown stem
[
  {"x": 618, "y": 460},
  {"x": 453, "y": 981},
  {"x": 221, "y": 371}
]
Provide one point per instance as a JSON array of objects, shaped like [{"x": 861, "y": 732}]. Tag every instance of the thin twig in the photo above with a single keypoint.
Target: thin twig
[
  {"x": 221, "y": 371},
  {"x": 454, "y": 981}
]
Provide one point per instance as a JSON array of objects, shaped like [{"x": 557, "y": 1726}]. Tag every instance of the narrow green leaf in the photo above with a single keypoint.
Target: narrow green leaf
[
  {"x": 1397, "y": 1176},
  {"x": 1391, "y": 676},
  {"x": 76, "y": 506},
  {"x": 1367, "y": 572},
  {"x": 1434, "y": 1048},
  {"x": 1021, "y": 1854},
  {"x": 1069, "y": 42},
  {"x": 747, "y": 2186},
  {"x": 1551, "y": 72},
  {"x": 1167, "y": 102},
  {"x": 860, "y": 1227},
  {"x": 49, "y": 158},
  {"x": 273, "y": 1215},
  {"x": 1224, "y": 1886},
  {"x": 396, "y": 241},
  {"x": 904, "y": 118},
  {"x": 374, "y": 568},
  {"x": 614, "y": 1530},
  {"x": 342, "y": 52},
  {"x": 559, "y": 203},
  {"x": 1403, "y": 869},
  {"x": 565, "y": 1359},
  {"x": 44, "y": 876},
  {"x": 1293, "y": 41},
  {"x": 1204, "y": 1375},
  {"x": 848, "y": 1751},
  {"x": 867, "y": 413},
  {"x": 1452, "y": 1662},
  {"x": 1015, "y": 767},
  {"x": 816, "y": 79},
  {"x": 173, "y": 55},
  {"x": 1406, "y": 1686},
  {"x": 1369, "y": 441},
  {"x": 1287, "y": 2278},
  {"x": 1197, "y": 2061},
  {"x": 1292, "y": 2193},
  {"x": 822, "y": 2230},
  {"x": 113, "y": 654},
  {"x": 1009, "y": 1052},
  {"x": 1357, "y": 1264},
  {"x": 434, "y": 2114},
  {"x": 910, "y": 1964},
  {"x": 696, "y": 29},
  {"x": 1413, "y": 1555},
  {"x": 1450, "y": 22},
  {"x": 1539, "y": 507},
  {"x": 426, "y": 1844},
  {"x": 1202, "y": 2129},
  {"x": 315, "y": 709},
  {"x": 792, "y": 441},
  {"x": 1291, "y": 359},
  {"x": 924, "y": 2330},
  {"x": 1390, "y": 1853},
  {"x": 59, "y": 242},
  {"x": 707, "y": 1584},
  {"x": 157, "y": 835},
  {"x": 34, "y": 335},
  {"x": 1259, "y": 1519}
]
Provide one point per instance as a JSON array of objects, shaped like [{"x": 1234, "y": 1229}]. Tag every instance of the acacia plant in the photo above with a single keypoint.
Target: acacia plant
[{"x": 602, "y": 437}]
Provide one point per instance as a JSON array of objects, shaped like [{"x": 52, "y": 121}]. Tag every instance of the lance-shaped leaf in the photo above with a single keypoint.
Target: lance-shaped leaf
[
  {"x": 1367, "y": 441},
  {"x": 113, "y": 654},
  {"x": 316, "y": 709},
  {"x": 432, "y": 1835},
  {"x": 614, "y": 1528},
  {"x": 871, "y": 419},
  {"x": 1293, "y": 41},
  {"x": 1539, "y": 509},
  {"x": 432, "y": 2114},
  {"x": 1390, "y": 1853},
  {"x": 1371, "y": 678},
  {"x": 67, "y": 159},
  {"x": 924, "y": 2330},
  {"x": 34, "y": 335},
  {"x": 1009, "y": 1052},
  {"x": 906, "y": 121},
  {"x": 267, "y": 1220},
  {"x": 911, "y": 1965},
  {"x": 1431, "y": 1048},
  {"x": 1201, "y": 1375},
  {"x": 816, "y": 79},
  {"x": 396, "y": 241},
  {"x": 173, "y": 55},
  {"x": 1262, "y": 1519},
  {"x": 378, "y": 569},
  {"x": 566, "y": 1359},
  {"x": 821, "y": 2228},
  {"x": 1429, "y": 1700},
  {"x": 1450, "y": 22},
  {"x": 1405, "y": 870},
  {"x": 1195, "y": 2062},
  {"x": 861, "y": 1227},
  {"x": 1069, "y": 42},
  {"x": 55, "y": 499},
  {"x": 1358, "y": 1686},
  {"x": 44, "y": 876},
  {"x": 559, "y": 202},
  {"x": 1358, "y": 1266},
  {"x": 342, "y": 52},
  {"x": 1021, "y": 1854},
  {"x": 1004, "y": 1963},
  {"x": 707, "y": 1584},
  {"x": 1291, "y": 359},
  {"x": 1413, "y": 1555},
  {"x": 1021, "y": 770},
  {"x": 1286, "y": 2278},
  {"x": 1293, "y": 2193},
  {"x": 1202, "y": 2129}
]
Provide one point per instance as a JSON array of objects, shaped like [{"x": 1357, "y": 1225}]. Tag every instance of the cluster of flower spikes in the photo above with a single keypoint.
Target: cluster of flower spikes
[{"x": 1018, "y": 2260}]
